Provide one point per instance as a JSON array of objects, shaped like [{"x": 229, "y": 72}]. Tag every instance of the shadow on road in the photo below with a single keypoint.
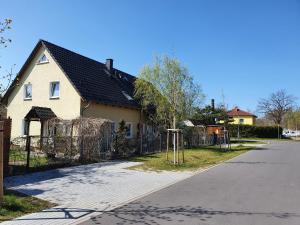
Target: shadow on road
[{"x": 140, "y": 213}]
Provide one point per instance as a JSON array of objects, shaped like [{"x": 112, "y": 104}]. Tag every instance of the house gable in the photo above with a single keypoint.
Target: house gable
[{"x": 39, "y": 76}]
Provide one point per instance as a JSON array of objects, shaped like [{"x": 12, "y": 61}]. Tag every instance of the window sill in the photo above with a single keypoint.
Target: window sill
[
  {"x": 54, "y": 98},
  {"x": 27, "y": 99}
]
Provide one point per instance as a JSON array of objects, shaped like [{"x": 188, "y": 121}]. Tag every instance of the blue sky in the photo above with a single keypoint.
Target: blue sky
[{"x": 245, "y": 49}]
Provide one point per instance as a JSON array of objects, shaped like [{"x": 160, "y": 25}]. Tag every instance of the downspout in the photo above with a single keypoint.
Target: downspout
[{"x": 82, "y": 109}]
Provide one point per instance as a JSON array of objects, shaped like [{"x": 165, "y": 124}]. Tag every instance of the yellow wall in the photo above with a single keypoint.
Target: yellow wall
[
  {"x": 248, "y": 120},
  {"x": 40, "y": 76},
  {"x": 116, "y": 114}
]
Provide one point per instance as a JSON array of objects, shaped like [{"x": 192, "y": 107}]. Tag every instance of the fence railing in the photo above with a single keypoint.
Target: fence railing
[{"x": 32, "y": 153}]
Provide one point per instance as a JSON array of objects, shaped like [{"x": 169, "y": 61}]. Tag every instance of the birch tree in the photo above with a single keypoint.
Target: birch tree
[{"x": 168, "y": 89}]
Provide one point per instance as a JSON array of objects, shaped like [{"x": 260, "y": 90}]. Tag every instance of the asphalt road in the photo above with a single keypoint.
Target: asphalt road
[{"x": 259, "y": 187}]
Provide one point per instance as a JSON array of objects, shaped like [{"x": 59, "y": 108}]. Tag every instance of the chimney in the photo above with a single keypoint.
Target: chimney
[
  {"x": 213, "y": 104},
  {"x": 109, "y": 64}
]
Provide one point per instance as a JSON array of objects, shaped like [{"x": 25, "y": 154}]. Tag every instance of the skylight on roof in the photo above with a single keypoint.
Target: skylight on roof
[{"x": 127, "y": 96}]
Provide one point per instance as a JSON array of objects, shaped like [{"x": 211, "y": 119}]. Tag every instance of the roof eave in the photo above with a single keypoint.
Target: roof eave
[{"x": 20, "y": 73}]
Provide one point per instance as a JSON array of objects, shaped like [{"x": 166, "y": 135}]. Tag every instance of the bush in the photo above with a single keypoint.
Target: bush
[{"x": 248, "y": 131}]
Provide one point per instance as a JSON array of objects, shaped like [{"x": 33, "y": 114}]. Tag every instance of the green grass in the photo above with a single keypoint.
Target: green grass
[
  {"x": 21, "y": 156},
  {"x": 16, "y": 204},
  {"x": 194, "y": 159}
]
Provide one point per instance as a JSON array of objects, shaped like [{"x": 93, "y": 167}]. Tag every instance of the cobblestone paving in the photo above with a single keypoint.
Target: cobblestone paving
[{"x": 84, "y": 191}]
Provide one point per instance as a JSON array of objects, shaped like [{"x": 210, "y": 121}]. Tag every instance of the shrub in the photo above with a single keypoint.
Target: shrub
[{"x": 248, "y": 131}]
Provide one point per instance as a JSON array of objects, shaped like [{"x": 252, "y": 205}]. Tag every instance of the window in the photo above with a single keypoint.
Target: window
[
  {"x": 128, "y": 127},
  {"x": 242, "y": 121},
  {"x": 54, "y": 89},
  {"x": 43, "y": 59},
  {"x": 27, "y": 91}
]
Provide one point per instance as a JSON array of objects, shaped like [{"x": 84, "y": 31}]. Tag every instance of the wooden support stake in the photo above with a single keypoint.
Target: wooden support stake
[
  {"x": 182, "y": 145},
  {"x": 177, "y": 147},
  {"x": 167, "y": 152},
  {"x": 174, "y": 147}
]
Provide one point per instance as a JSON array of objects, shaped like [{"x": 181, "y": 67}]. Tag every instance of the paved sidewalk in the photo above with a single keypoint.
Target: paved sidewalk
[{"x": 85, "y": 191}]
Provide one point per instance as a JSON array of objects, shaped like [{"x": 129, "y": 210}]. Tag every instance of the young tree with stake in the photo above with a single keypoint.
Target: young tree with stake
[{"x": 167, "y": 87}]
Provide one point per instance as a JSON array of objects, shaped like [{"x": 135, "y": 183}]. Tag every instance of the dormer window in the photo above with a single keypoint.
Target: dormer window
[
  {"x": 27, "y": 92},
  {"x": 43, "y": 59}
]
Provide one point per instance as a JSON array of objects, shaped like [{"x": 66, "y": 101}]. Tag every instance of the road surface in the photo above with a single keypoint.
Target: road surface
[{"x": 259, "y": 187}]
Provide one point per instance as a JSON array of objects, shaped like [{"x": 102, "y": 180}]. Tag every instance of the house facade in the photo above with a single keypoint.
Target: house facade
[
  {"x": 71, "y": 85},
  {"x": 242, "y": 117}
]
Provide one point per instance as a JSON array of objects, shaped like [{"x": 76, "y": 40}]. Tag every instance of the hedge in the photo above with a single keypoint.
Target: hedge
[{"x": 247, "y": 131}]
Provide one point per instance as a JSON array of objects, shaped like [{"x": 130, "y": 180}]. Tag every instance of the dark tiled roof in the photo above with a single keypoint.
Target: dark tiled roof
[
  {"x": 92, "y": 79},
  {"x": 238, "y": 112},
  {"x": 41, "y": 113}
]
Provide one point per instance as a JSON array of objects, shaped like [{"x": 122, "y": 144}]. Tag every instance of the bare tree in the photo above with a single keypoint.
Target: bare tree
[
  {"x": 276, "y": 105},
  {"x": 5, "y": 76},
  {"x": 4, "y": 84}
]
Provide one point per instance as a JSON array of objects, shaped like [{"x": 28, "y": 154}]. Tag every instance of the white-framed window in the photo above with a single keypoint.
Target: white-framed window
[
  {"x": 242, "y": 121},
  {"x": 43, "y": 59},
  {"x": 128, "y": 127},
  {"x": 54, "y": 89},
  {"x": 27, "y": 92}
]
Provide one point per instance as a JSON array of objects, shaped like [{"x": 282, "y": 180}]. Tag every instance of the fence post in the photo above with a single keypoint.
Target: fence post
[
  {"x": 1, "y": 161},
  {"x": 6, "y": 144},
  {"x": 28, "y": 139},
  {"x": 160, "y": 148},
  {"x": 71, "y": 140}
]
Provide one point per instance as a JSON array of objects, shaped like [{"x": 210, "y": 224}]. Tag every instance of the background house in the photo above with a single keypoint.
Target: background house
[
  {"x": 241, "y": 117},
  {"x": 71, "y": 85}
]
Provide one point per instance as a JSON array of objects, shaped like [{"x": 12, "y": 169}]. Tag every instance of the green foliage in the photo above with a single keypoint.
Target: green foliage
[
  {"x": 248, "y": 131},
  {"x": 121, "y": 144},
  {"x": 167, "y": 88},
  {"x": 209, "y": 116}
]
